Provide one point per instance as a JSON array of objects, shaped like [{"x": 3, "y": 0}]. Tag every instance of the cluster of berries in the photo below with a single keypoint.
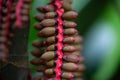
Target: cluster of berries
[
  {"x": 58, "y": 55},
  {"x": 12, "y": 14}
]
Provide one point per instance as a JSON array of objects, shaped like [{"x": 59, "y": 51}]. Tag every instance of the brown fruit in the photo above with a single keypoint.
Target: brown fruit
[
  {"x": 70, "y": 67},
  {"x": 67, "y": 6},
  {"x": 70, "y": 15},
  {"x": 48, "y": 55},
  {"x": 36, "y": 61},
  {"x": 39, "y": 17},
  {"x": 38, "y": 43},
  {"x": 48, "y": 31},
  {"x": 37, "y": 52},
  {"x": 69, "y": 24},
  {"x": 38, "y": 26},
  {"x": 48, "y": 22},
  {"x": 50, "y": 15},
  {"x": 46, "y": 8},
  {"x": 71, "y": 58},
  {"x": 70, "y": 31}
]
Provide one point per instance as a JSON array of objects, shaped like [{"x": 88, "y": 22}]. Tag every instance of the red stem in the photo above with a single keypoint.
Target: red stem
[
  {"x": 18, "y": 22},
  {"x": 60, "y": 36}
]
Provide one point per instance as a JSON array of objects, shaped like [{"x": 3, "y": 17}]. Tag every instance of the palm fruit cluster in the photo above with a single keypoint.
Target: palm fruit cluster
[
  {"x": 45, "y": 51},
  {"x": 8, "y": 18},
  {"x": 20, "y": 13}
]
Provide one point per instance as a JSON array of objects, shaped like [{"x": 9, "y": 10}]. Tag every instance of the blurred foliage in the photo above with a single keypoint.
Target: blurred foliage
[{"x": 91, "y": 12}]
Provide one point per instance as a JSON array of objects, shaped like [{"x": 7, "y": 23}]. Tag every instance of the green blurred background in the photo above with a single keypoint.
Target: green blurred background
[{"x": 99, "y": 24}]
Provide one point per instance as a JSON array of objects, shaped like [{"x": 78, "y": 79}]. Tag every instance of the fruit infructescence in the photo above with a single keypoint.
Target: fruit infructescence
[
  {"x": 58, "y": 55},
  {"x": 10, "y": 12}
]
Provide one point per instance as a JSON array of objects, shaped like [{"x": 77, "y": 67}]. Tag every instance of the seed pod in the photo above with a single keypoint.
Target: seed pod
[
  {"x": 37, "y": 52},
  {"x": 68, "y": 75},
  {"x": 67, "y": 6},
  {"x": 70, "y": 15},
  {"x": 49, "y": 71},
  {"x": 49, "y": 31},
  {"x": 69, "y": 24},
  {"x": 46, "y": 8},
  {"x": 50, "y": 63},
  {"x": 48, "y": 22},
  {"x": 38, "y": 26},
  {"x": 48, "y": 55},
  {"x": 50, "y": 15},
  {"x": 70, "y": 67},
  {"x": 38, "y": 43},
  {"x": 36, "y": 61},
  {"x": 50, "y": 40},
  {"x": 70, "y": 31},
  {"x": 67, "y": 48},
  {"x": 39, "y": 17},
  {"x": 71, "y": 58},
  {"x": 68, "y": 40}
]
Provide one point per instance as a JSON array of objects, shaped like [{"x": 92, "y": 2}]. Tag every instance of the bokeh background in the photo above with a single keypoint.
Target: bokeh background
[{"x": 99, "y": 24}]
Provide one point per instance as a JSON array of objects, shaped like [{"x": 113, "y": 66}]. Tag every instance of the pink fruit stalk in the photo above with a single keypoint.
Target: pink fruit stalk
[
  {"x": 59, "y": 44},
  {"x": 18, "y": 22}
]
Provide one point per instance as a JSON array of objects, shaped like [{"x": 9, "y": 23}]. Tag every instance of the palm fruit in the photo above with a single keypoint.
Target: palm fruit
[
  {"x": 58, "y": 56},
  {"x": 4, "y": 24}
]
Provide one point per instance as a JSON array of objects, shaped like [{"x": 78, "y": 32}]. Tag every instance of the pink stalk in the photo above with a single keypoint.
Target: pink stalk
[{"x": 18, "y": 21}]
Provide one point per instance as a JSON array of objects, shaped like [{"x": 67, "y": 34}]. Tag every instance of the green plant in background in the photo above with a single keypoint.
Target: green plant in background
[{"x": 96, "y": 19}]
